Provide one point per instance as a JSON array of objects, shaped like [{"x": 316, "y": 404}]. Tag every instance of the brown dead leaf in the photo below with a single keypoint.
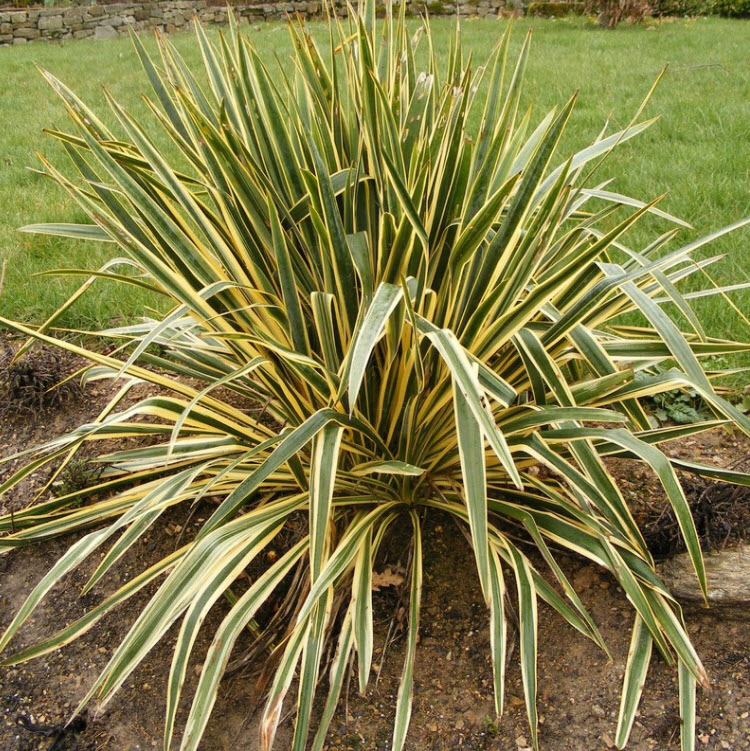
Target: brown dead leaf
[{"x": 386, "y": 578}]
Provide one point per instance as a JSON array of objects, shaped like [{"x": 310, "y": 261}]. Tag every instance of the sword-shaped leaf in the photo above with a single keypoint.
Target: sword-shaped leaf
[{"x": 639, "y": 658}]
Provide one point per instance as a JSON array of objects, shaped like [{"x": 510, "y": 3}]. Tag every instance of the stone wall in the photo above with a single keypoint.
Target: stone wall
[{"x": 19, "y": 26}]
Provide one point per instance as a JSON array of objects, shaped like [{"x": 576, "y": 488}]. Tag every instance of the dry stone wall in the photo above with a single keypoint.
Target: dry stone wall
[{"x": 20, "y": 26}]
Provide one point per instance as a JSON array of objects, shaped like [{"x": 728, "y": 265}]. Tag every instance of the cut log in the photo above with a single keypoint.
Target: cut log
[{"x": 728, "y": 574}]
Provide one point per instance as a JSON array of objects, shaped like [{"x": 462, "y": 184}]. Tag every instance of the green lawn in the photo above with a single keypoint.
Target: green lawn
[{"x": 699, "y": 152}]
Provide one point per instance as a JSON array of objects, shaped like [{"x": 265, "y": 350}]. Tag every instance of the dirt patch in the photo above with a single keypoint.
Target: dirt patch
[
  {"x": 453, "y": 709},
  {"x": 578, "y": 687}
]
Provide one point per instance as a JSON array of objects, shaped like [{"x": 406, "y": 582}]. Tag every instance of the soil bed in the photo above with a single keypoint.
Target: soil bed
[{"x": 453, "y": 709}]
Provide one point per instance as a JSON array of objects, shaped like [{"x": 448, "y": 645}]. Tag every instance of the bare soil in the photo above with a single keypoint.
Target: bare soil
[{"x": 453, "y": 709}]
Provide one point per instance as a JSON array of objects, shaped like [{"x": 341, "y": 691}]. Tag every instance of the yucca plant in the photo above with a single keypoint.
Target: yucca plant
[{"x": 428, "y": 318}]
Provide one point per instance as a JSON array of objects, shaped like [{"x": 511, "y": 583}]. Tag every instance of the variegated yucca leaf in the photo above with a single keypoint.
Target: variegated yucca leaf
[{"x": 377, "y": 310}]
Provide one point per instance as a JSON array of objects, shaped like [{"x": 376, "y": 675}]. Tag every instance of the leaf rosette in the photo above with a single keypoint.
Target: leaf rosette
[{"x": 429, "y": 317}]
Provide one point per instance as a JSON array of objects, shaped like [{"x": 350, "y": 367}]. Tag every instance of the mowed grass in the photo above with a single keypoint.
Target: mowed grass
[{"x": 699, "y": 152}]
